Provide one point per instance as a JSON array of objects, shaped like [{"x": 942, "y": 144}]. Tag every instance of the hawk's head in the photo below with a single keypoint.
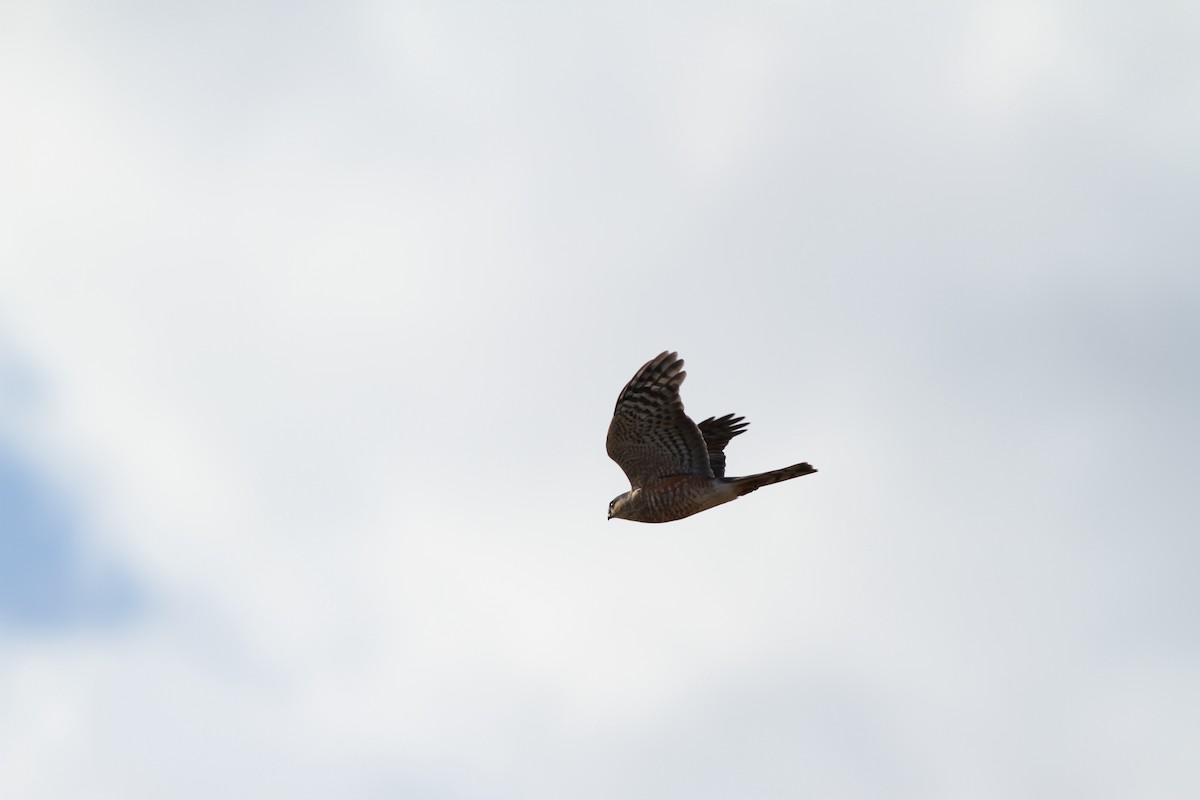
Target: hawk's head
[{"x": 619, "y": 503}]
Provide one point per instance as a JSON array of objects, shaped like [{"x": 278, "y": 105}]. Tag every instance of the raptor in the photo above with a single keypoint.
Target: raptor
[{"x": 675, "y": 467}]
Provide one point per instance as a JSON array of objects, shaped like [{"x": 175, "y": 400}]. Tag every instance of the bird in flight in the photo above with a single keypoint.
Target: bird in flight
[{"x": 676, "y": 468}]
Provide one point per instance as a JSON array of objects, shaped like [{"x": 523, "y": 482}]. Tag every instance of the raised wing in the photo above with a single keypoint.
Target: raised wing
[
  {"x": 650, "y": 436},
  {"x": 717, "y": 433}
]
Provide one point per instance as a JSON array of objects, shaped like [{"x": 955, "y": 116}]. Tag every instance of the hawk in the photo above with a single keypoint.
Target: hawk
[{"x": 676, "y": 468}]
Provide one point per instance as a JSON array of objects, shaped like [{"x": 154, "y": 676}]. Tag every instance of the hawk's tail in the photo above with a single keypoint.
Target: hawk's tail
[{"x": 749, "y": 483}]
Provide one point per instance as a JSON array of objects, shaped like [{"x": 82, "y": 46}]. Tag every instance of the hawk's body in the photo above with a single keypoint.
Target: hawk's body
[{"x": 676, "y": 467}]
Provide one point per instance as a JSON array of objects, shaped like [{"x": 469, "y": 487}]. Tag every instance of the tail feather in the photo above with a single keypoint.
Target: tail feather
[{"x": 749, "y": 483}]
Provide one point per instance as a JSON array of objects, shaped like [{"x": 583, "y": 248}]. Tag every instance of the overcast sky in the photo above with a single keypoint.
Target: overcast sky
[{"x": 312, "y": 317}]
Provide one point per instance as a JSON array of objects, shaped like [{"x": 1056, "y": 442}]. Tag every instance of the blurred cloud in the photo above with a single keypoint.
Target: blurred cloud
[{"x": 320, "y": 315}]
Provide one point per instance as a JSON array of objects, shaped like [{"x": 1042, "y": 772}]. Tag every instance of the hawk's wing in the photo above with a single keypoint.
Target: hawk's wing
[
  {"x": 717, "y": 433},
  {"x": 650, "y": 437}
]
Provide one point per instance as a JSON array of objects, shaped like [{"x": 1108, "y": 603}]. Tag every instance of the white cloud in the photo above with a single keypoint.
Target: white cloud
[{"x": 332, "y": 309}]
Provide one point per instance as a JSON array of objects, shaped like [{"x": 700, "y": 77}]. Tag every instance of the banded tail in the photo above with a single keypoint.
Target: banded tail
[{"x": 749, "y": 483}]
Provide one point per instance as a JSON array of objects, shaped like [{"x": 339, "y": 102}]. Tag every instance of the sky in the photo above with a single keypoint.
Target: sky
[{"x": 312, "y": 317}]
